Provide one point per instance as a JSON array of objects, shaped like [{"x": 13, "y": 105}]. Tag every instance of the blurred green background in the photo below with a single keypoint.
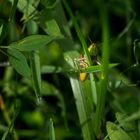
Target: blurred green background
[{"x": 33, "y": 120}]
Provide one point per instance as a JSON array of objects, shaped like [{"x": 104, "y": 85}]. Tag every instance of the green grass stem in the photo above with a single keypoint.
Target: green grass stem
[{"x": 105, "y": 65}]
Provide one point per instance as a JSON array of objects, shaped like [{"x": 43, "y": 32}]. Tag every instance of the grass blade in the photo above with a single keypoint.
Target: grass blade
[
  {"x": 36, "y": 74},
  {"x": 13, "y": 10},
  {"x": 85, "y": 48},
  {"x": 52, "y": 132},
  {"x": 79, "y": 33},
  {"x": 35, "y": 58},
  {"x": 57, "y": 69},
  {"x": 82, "y": 105},
  {"x": 105, "y": 65},
  {"x": 1, "y": 29}
]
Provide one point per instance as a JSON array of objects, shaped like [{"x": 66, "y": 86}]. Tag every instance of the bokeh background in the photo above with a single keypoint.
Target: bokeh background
[{"x": 58, "y": 103}]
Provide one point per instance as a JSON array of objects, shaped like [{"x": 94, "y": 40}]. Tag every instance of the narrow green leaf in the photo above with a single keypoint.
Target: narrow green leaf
[
  {"x": 80, "y": 98},
  {"x": 105, "y": 65},
  {"x": 13, "y": 10},
  {"x": 96, "y": 68},
  {"x": 55, "y": 69},
  {"x": 1, "y": 28},
  {"x": 51, "y": 69},
  {"x": 139, "y": 127},
  {"x": 52, "y": 132},
  {"x": 19, "y": 62},
  {"x": 32, "y": 42},
  {"x": 36, "y": 75},
  {"x": 35, "y": 61},
  {"x": 85, "y": 49},
  {"x": 79, "y": 33},
  {"x": 116, "y": 133}
]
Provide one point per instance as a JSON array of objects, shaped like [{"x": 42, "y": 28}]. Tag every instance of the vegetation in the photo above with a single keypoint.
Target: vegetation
[{"x": 69, "y": 70}]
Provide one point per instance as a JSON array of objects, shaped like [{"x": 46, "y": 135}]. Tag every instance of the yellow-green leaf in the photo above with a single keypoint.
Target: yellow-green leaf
[
  {"x": 32, "y": 42},
  {"x": 116, "y": 133}
]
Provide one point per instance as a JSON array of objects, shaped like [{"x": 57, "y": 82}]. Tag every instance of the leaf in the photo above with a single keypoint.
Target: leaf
[
  {"x": 32, "y": 42},
  {"x": 19, "y": 62},
  {"x": 49, "y": 4},
  {"x": 139, "y": 126},
  {"x": 52, "y": 132},
  {"x": 82, "y": 105},
  {"x": 28, "y": 8},
  {"x": 13, "y": 10},
  {"x": 97, "y": 68},
  {"x": 53, "y": 28},
  {"x": 116, "y": 133},
  {"x": 129, "y": 125},
  {"x": 50, "y": 69},
  {"x": 1, "y": 28},
  {"x": 36, "y": 75},
  {"x": 68, "y": 69}
]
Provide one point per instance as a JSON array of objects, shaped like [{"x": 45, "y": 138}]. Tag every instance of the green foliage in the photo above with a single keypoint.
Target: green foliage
[
  {"x": 19, "y": 62},
  {"x": 116, "y": 133},
  {"x": 44, "y": 49},
  {"x": 83, "y": 106},
  {"x": 1, "y": 27},
  {"x": 52, "y": 132},
  {"x": 31, "y": 43}
]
